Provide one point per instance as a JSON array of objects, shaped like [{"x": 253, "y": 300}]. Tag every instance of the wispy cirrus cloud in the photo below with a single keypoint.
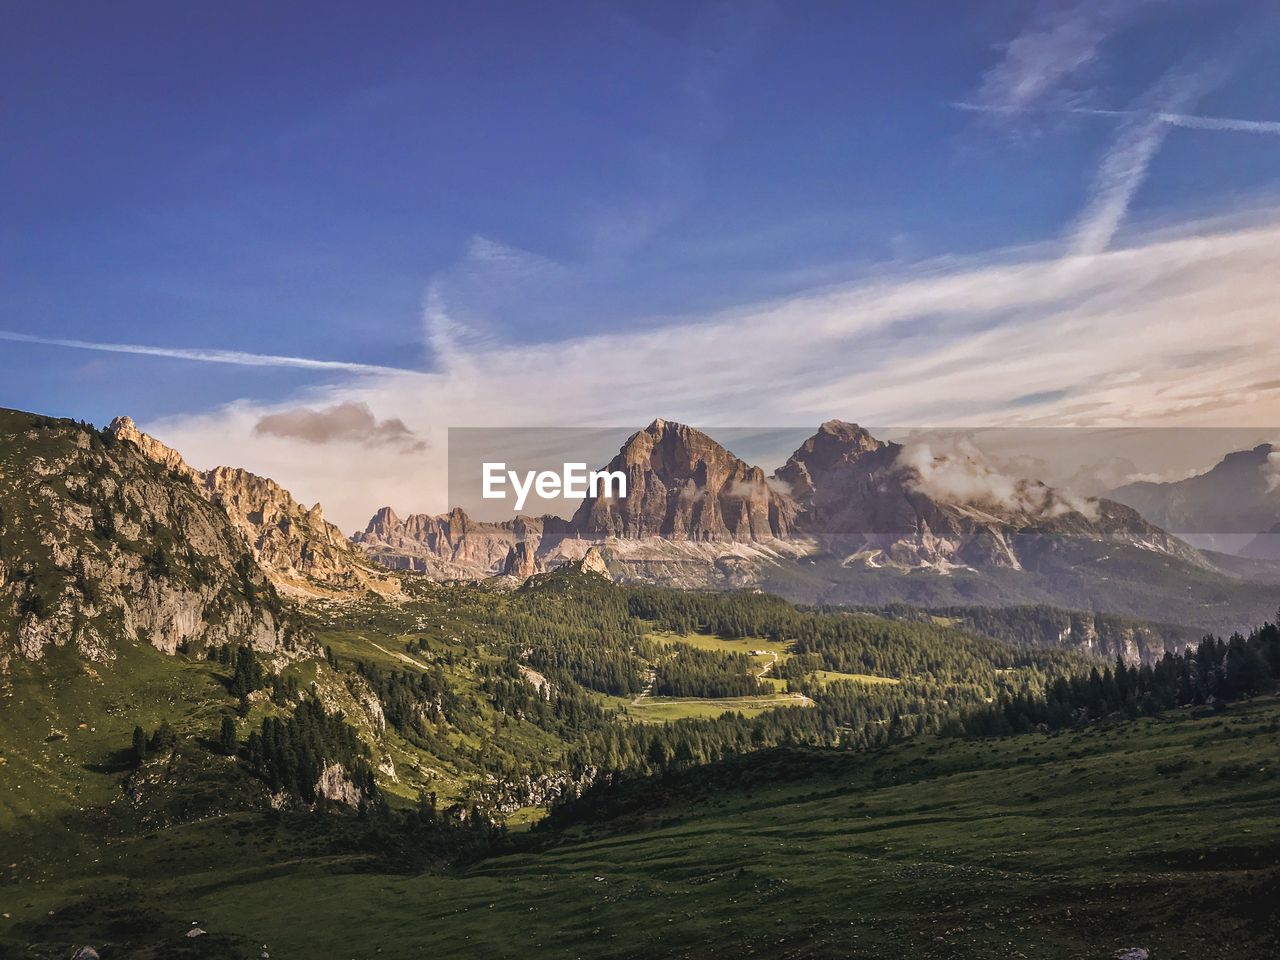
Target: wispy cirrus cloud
[
  {"x": 234, "y": 357},
  {"x": 1059, "y": 43},
  {"x": 1139, "y": 139},
  {"x": 1009, "y": 339},
  {"x": 1042, "y": 73}
]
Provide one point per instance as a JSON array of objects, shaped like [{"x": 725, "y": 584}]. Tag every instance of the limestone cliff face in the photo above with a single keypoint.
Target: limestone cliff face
[
  {"x": 100, "y": 543},
  {"x": 452, "y": 545},
  {"x": 593, "y": 562},
  {"x": 521, "y": 561},
  {"x": 682, "y": 485},
  {"x": 296, "y": 545},
  {"x": 302, "y": 553}
]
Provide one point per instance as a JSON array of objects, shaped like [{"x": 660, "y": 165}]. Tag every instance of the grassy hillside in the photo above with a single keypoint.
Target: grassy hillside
[{"x": 1162, "y": 833}]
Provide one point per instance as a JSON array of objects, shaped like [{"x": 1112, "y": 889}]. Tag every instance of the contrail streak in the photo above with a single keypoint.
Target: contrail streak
[
  {"x": 1189, "y": 120},
  {"x": 235, "y": 357}
]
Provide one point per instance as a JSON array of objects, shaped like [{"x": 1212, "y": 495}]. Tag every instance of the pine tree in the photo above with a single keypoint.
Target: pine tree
[
  {"x": 227, "y": 737},
  {"x": 139, "y": 746}
]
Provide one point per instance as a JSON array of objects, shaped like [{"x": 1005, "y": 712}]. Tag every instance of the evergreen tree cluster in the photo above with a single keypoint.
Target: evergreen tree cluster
[
  {"x": 593, "y": 639},
  {"x": 290, "y": 753},
  {"x": 1214, "y": 671},
  {"x": 706, "y": 673},
  {"x": 1040, "y": 625},
  {"x": 164, "y": 737},
  {"x": 411, "y": 700},
  {"x": 855, "y": 643}
]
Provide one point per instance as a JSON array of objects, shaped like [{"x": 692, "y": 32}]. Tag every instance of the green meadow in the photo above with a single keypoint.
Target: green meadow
[{"x": 1162, "y": 833}]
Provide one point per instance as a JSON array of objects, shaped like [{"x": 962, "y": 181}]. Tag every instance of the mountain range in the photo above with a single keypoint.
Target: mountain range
[
  {"x": 842, "y": 490},
  {"x": 849, "y": 518},
  {"x": 100, "y": 541},
  {"x": 204, "y": 671},
  {"x": 300, "y": 552}
]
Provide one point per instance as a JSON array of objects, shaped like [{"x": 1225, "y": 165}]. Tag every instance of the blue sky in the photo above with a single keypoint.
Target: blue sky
[{"x": 423, "y": 185}]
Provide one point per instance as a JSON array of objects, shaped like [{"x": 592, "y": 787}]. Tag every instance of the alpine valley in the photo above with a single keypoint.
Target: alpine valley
[{"x": 874, "y": 703}]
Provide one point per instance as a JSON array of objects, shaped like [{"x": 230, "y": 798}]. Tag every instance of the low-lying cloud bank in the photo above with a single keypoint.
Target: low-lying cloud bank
[{"x": 1176, "y": 328}]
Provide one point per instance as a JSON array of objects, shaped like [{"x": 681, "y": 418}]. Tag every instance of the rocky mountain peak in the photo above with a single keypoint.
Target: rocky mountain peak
[
  {"x": 382, "y": 523},
  {"x": 1221, "y": 509},
  {"x": 593, "y": 562},
  {"x": 682, "y": 485},
  {"x": 101, "y": 546},
  {"x": 521, "y": 561},
  {"x": 452, "y": 545},
  {"x": 836, "y": 444},
  {"x": 123, "y": 428}
]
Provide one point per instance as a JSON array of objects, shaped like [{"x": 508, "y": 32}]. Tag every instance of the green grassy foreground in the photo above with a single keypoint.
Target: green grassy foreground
[{"x": 1162, "y": 833}]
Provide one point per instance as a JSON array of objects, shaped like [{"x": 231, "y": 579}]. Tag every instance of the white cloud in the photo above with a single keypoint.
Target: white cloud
[
  {"x": 1058, "y": 45},
  {"x": 1109, "y": 344},
  {"x": 955, "y": 470},
  {"x": 1190, "y": 121},
  {"x": 1272, "y": 470}
]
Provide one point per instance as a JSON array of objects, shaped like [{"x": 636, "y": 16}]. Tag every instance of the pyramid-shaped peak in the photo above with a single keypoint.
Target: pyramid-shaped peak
[{"x": 845, "y": 430}]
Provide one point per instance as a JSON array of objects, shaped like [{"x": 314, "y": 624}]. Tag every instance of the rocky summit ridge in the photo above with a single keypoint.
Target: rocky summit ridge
[{"x": 302, "y": 553}]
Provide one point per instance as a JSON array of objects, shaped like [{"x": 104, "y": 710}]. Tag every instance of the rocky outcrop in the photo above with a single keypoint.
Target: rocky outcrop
[
  {"x": 296, "y": 545},
  {"x": 521, "y": 561},
  {"x": 593, "y": 562},
  {"x": 334, "y": 784},
  {"x": 302, "y": 553},
  {"x": 100, "y": 543},
  {"x": 682, "y": 485},
  {"x": 123, "y": 428}
]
